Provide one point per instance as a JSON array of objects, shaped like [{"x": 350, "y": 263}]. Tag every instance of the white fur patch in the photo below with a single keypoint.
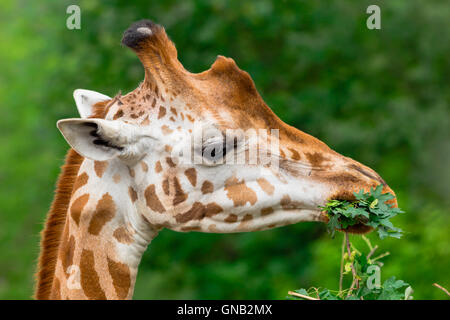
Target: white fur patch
[{"x": 145, "y": 31}]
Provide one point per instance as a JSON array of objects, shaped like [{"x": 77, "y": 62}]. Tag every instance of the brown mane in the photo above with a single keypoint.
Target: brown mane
[{"x": 56, "y": 217}]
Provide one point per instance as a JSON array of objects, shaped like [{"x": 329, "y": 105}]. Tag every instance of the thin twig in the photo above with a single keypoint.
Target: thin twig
[
  {"x": 381, "y": 256},
  {"x": 317, "y": 292},
  {"x": 442, "y": 288},
  {"x": 367, "y": 242},
  {"x": 354, "y": 249},
  {"x": 372, "y": 252},
  {"x": 292, "y": 293},
  {"x": 355, "y": 276},
  {"x": 341, "y": 274},
  {"x": 352, "y": 287}
]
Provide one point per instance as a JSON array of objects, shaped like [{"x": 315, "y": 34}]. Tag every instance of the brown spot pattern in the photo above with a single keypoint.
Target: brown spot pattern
[
  {"x": 266, "y": 186},
  {"x": 315, "y": 159},
  {"x": 152, "y": 199},
  {"x": 343, "y": 179},
  {"x": 162, "y": 112},
  {"x": 170, "y": 162},
  {"x": 90, "y": 281},
  {"x": 116, "y": 178},
  {"x": 295, "y": 154},
  {"x": 165, "y": 186},
  {"x": 104, "y": 212},
  {"x": 158, "y": 167},
  {"x": 67, "y": 249},
  {"x": 166, "y": 130},
  {"x": 212, "y": 228},
  {"x": 119, "y": 114},
  {"x": 287, "y": 203},
  {"x": 239, "y": 193},
  {"x": 212, "y": 209},
  {"x": 231, "y": 218},
  {"x": 77, "y": 207},
  {"x": 193, "y": 228},
  {"x": 100, "y": 167},
  {"x": 198, "y": 211},
  {"x": 145, "y": 122},
  {"x": 123, "y": 236},
  {"x": 132, "y": 193},
  {"x": 266, "y": 211},
  {"x": 207, "y": 187},
  {"x": 82, "y": 179},
  {"x": 180, "y": 196},
  {"x": 191, "y": 174},
  {"x": 144, "y": 166}
]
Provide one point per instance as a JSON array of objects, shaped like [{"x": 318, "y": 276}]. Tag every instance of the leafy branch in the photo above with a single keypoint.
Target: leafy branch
[
  {"x": 362, "y": 267},
  {"x": 368, "y": 209}
]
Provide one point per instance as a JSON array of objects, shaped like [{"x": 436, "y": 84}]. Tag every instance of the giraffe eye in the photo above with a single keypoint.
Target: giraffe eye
[
  {"x": 216, "y": 147},
  {"x": 215, "y": 151}
]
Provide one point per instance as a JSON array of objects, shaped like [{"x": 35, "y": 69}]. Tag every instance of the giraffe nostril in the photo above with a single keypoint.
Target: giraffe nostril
[{"x": 368, "y": 174}]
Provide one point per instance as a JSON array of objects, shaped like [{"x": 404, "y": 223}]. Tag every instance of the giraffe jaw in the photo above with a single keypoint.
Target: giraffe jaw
[{"x": 279, "y": 218}]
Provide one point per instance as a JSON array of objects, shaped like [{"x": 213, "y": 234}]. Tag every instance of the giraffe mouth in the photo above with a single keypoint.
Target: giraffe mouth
[{"x": 358, "y": 228}]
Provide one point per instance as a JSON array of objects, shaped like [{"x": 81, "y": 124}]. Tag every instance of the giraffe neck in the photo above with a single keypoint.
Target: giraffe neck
[{"x": 103, "y": 238}]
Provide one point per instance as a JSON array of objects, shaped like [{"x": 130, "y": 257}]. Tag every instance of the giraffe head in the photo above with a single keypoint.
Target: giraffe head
[{"x": 204, "y": 152}]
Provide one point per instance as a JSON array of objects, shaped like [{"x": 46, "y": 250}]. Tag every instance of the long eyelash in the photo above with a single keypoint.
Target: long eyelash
[{"x": 224, "y": 149}]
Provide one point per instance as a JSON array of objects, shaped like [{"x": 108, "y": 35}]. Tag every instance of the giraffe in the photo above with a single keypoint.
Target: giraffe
[{"x": 124, "y": 178}]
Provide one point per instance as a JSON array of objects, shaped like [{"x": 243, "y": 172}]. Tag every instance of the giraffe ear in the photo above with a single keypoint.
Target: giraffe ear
[
  {"x": 86, "y": 99},
  {"x": 99, "y": 139}
]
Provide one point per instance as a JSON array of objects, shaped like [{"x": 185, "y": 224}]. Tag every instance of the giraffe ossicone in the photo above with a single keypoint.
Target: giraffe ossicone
[
  {"x": 144, "y": 30},
  {"x": 131, "y": 170}
]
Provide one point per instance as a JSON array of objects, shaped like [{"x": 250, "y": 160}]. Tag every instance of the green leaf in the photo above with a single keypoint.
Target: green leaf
[
  {"x": 368, "y": 209},
  {"x": 302, "y": 291},
  {"x": 327, "y": 295}
]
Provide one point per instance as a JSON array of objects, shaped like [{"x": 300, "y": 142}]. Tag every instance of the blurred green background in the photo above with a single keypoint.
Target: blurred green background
[{"x": 378, "y": 96}]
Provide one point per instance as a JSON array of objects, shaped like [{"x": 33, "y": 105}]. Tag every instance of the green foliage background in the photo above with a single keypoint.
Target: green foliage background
[{"x": 381, "y": 97}]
